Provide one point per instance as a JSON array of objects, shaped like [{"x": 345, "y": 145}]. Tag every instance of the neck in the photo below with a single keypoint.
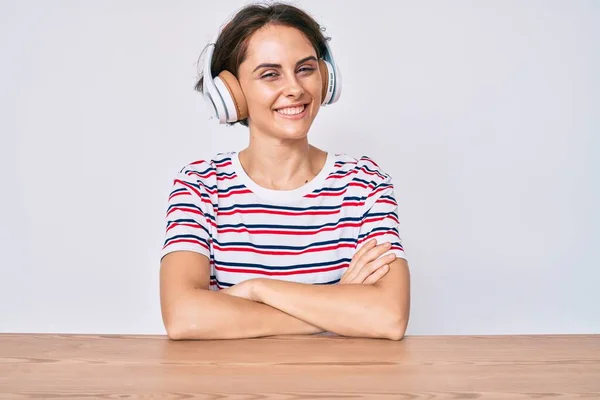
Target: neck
[{"x": 281, "y": 164}]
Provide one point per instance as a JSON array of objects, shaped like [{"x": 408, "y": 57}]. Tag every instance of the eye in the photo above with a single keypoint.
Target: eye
[
  {"x": 306, "y": 69},
  {"x": 271, "y": 74}
]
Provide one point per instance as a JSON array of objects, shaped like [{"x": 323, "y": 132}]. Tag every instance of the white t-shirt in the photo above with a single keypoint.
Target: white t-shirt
[{"x": 306, "y": 235}]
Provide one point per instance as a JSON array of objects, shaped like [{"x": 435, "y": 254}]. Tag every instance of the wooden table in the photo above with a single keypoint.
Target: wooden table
[{"x": 73, "y": 367}]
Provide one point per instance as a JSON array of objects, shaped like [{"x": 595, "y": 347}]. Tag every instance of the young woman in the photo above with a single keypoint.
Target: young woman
[{"x": 281, "y": 237}]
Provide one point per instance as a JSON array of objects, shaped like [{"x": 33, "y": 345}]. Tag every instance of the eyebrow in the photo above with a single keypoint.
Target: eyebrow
[{"x": 266, "y": 65}]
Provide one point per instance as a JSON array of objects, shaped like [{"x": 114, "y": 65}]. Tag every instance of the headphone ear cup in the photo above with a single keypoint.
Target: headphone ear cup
[
  {"x": 234, "y": 99},
  {"x": 327, "y": 81},
  {"x": 324, "y": 79}
]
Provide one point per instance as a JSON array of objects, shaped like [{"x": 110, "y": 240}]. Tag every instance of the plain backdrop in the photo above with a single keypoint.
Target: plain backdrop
[{"x": 486, "y": 115}]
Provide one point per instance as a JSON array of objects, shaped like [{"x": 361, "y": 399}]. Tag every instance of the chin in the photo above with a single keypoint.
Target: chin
[
  {"x": 292, "y": 128},
  {"x": 291, "y": 132}
]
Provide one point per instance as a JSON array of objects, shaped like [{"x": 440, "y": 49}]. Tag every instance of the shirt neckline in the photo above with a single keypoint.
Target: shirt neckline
[{"x": 284, "y": 195}]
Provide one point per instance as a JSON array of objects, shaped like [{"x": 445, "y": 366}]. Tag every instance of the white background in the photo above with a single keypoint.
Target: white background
[{"x": 486, "y": 114}]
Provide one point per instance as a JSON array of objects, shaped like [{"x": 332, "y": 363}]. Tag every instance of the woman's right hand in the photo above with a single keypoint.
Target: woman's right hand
[{"x": 366, "y": 267}]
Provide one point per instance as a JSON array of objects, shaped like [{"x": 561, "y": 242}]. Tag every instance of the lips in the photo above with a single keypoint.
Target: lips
[
  {"x": 291, "y": 110},
  {"x": 292, "y": 113}
]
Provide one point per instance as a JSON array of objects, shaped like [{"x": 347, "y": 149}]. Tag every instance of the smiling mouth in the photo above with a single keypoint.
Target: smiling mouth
[{"x": 291, "y": 111}]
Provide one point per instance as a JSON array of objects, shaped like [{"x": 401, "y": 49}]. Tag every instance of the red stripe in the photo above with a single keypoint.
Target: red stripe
[
  {"x": 386, "y": 201},
  {"x": 195, "y": 211},
  {"x": 293, "y": 232},
  {"x": 200, "y": 162},
  {"x": 185, "y": 241},
  {"x": 374, "y": 235},
  {"x": 341, "y": 175},
  {"x": 224, "y": 164},
  {"x": 197, "y": 226},
  {"x": 374, "y": 192},
  {"x": 325, "y": 194},
  {"x": 192, "y": 210},
  {"x": 281, "y": 273},
  {"x": 274, "y": 212},
  {"x": 208, "y": 175},
  {"x": 237, "y": 191},
  {"x": 362, "y": 185},
  {"x": 186, "y": 193},
  {"x": 282, "y": 252},
  {"x": 371, "y": 161},
  {"x": 193, "y": 188}
]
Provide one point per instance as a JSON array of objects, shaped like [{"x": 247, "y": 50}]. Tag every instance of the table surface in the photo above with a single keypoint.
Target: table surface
[{"x": 57, "y": 366}]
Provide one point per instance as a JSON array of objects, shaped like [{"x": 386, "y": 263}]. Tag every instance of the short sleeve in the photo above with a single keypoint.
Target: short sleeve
[
  {"x": 380, "y": 217},
  {"x": 189, "y": 216}
]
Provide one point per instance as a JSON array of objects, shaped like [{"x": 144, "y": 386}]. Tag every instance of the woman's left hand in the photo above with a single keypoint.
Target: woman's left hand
[{"x": 244, "y": 290}]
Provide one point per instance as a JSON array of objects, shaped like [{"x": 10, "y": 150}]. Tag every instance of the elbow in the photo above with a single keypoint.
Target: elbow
[
  {"x": 175, "y": 324},
  {"x": 174, "y": 332},
  {"x": 183, "y": 325},
  {"x": 396, "y": 331},
  {"x": 395, "y": 325}
]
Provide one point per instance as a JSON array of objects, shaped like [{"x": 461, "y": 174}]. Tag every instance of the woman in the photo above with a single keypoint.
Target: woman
[{"x": 281, "y": 237}]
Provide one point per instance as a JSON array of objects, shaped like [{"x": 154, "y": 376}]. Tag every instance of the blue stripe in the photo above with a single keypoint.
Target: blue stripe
[
  {"x": 189, "y": 205},
  {"x": 230, "y": 188},
  {"x": 284, "y": 267},
  {"x": 187, "y": 236},
  {"x": 227, "y": 158},
  {"x": 185, "y": 171},
  {"x": 271, "y": 247},
  {"x": 294, "y": 227},
  {"x": 280, "y": 208},
  {"x": 335, "y": 189},
  {"x": 381, "y": 229},
  {"x": 227, "y": 284},
  {"x": 333, "y": 282},
  {"x": 377, "y": 214},
  {"x": 363, "y": 181},
  {"x": 182, "y": 220}
]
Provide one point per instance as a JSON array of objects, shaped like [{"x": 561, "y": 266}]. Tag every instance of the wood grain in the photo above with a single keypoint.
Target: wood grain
[{"x": 48, "y": 366}]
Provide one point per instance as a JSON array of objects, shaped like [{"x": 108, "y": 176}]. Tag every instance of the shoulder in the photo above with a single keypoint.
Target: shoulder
[
  {"x": 206, "y": 170},
  {"x": 200, "y": 176},
  {"x": 369, "y": 182},
  {"x": 363, "y": 168},
  {"x": 368, "y": 168}
]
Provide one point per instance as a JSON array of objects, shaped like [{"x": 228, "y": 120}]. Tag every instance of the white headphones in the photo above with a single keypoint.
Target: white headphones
[{"x": 226, "y": 101}]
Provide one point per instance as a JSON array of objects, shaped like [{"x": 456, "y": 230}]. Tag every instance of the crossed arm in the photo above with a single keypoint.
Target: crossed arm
[{"x": 265, "y": 307}]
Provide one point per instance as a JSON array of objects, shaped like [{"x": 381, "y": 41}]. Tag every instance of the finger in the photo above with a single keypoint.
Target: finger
[
  {"x": 368, "y": 252},
  {"x": 368, "y": 256},
  {"x": 377, "y": 275},
  {"x": 375, "y": 252},
  {"x": 363, "y": 249},
  {"x": 373, "y": 266}
]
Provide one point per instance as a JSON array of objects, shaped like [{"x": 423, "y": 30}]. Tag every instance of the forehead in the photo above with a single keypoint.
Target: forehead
[{"x": 278, "y": 44}]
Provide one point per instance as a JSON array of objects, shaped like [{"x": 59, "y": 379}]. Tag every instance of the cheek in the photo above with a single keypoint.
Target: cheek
[
  {"x": 260, "y": 98},
  {"x": 313, "y": 86}
]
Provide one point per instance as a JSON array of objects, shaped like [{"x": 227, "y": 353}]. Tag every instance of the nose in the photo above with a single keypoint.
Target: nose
[{"x": 293, "y": 88}]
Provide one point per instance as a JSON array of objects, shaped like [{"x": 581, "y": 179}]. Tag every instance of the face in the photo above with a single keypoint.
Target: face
[{"x": 281, "y": 70}]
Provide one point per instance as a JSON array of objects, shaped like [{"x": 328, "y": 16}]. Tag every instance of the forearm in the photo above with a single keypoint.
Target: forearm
[
  {"x": 349, "y": 310},
  {"x": 205, "y": 314}
]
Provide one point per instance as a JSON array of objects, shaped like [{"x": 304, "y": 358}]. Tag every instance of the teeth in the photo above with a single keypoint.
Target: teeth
[{"x": 291, "y": 110}]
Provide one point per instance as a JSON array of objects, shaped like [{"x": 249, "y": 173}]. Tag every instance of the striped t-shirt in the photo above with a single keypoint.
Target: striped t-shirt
[{"x": 306, "y": 235}]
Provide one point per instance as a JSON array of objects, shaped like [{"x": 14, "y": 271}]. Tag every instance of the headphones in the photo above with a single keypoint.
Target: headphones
[{"x": 226, "y": 101}]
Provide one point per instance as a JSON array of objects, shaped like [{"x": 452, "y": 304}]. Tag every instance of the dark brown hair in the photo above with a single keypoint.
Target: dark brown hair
[{"x": 232, "y": 43}]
